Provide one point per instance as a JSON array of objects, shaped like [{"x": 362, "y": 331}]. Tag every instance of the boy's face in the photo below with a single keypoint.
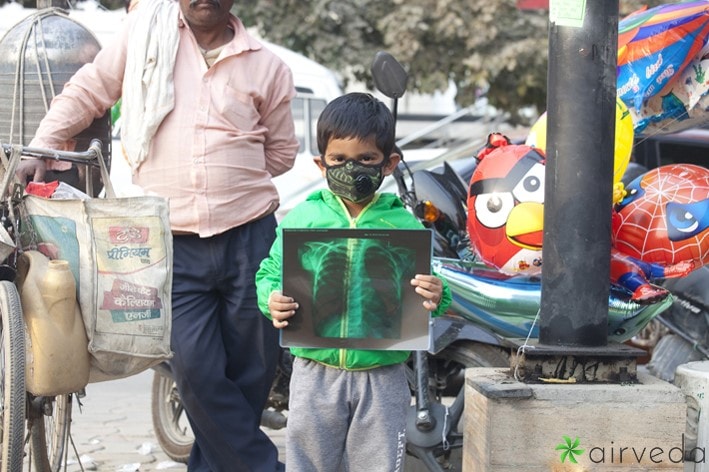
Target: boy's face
[{"x": 364, "y": 154}]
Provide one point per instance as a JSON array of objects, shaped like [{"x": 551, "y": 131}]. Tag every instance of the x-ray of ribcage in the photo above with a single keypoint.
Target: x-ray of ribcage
[{"x": 357, "y": 287}]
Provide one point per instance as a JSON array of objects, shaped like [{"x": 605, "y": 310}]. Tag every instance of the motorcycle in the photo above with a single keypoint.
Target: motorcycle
[
  {"x": 681, "y": 334},
  {"x": 488, "y": 307},
  {"x": 169, "y": 419}
]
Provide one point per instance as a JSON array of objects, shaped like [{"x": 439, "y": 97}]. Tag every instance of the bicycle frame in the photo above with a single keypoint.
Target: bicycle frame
[{"x": 47, "y": 417}]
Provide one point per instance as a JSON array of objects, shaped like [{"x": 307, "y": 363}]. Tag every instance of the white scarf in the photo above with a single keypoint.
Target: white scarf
[{"x": 148, "y": 87}]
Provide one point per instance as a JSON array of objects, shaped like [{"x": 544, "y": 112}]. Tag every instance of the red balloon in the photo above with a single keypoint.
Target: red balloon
[
  {"x": 664, "y": 219},
  {"x": 505, "y": 207}
]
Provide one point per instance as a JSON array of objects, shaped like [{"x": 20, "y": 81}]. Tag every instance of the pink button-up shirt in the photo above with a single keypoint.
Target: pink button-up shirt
[{"x": 214, "y": 155}]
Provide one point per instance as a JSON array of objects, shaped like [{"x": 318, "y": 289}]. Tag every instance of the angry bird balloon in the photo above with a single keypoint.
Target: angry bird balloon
[
  {"x": 506, "y": 206},
  {"x": 661, "y": 227}
]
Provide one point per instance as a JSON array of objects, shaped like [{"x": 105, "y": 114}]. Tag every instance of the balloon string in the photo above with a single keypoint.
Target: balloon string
[
  {"x": 652, "y": 134},
  {"x": 521, "y": 349}
]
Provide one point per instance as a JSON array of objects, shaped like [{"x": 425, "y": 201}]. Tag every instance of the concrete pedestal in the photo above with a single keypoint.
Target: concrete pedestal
[{"x": 513, "y": 426}]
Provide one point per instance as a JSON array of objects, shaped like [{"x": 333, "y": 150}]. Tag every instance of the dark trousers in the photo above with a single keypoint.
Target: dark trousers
[{"x": 225, "y": 349}]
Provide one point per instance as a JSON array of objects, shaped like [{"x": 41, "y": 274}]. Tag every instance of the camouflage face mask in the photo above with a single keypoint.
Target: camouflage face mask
[{"x": 354, "y": 181}]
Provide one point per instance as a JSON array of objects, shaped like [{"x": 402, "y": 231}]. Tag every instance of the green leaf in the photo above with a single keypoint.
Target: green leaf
[{"x": 563, "y": 456}]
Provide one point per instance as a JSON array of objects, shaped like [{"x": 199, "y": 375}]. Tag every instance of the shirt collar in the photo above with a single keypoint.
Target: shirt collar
[{"x": 242, "y": 40}]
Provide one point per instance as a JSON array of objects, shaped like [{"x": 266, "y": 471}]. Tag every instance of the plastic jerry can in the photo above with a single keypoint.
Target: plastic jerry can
[{"x": 57, "y": 358}]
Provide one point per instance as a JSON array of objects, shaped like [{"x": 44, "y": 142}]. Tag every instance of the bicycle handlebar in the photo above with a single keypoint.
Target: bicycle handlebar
[{"x": 85, "y": 157}]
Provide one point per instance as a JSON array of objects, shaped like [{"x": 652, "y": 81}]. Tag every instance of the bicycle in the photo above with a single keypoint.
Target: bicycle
[{"x": 36, "y": 428}]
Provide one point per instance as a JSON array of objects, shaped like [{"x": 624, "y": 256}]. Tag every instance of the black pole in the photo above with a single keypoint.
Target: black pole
[{"x": 581, "y": 104}]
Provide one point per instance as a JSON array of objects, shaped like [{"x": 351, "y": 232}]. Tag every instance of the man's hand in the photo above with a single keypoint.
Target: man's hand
[
  {"x": 430, "y": 288},
  {"x": 31, "y": 170},
  {"x": 281, "y": 308}
]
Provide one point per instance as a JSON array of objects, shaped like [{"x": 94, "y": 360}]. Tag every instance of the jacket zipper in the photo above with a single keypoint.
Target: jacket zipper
[{"x": 350, "y": 244}]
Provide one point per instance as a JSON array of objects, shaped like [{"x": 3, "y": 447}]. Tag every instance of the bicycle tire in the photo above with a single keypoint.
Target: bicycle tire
[
  {"x": 13, "y": 379},
  {"x": 49, "y": 435}
]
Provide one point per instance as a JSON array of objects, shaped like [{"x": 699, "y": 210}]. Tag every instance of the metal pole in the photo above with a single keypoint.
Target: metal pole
[{"x": 581, "y": 104}]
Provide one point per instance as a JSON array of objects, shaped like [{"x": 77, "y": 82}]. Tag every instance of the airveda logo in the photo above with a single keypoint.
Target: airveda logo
[
  {"x": 569, "y": 449},
  {"x": 615, "y": 453}
]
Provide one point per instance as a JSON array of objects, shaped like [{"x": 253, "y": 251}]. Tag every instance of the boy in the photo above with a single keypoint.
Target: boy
[{"x": 347, "y": 407}]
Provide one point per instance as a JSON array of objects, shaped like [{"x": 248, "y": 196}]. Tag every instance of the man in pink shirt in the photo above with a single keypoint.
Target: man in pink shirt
[{"x": 208, "y": 123}]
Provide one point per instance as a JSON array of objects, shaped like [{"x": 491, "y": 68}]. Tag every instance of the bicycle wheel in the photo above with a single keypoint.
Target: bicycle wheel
[
  {"x": 49, "y": 432},
  {"x": 13, "y": 379}
]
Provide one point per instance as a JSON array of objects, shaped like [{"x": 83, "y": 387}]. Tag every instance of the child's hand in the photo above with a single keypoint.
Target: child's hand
[
  {"x": 281, "y": 308},
  {"x": 430, "y": 288}
]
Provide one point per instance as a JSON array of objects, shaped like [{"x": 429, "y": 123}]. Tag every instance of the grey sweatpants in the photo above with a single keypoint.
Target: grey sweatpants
[{"x": 340, "y": 420}]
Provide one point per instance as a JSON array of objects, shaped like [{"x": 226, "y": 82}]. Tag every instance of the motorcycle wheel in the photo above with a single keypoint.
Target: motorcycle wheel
[
  {"x": 172, "y": 428},
  {"x": 447, "y": 373},
  {"x": 170, "y": 422}
]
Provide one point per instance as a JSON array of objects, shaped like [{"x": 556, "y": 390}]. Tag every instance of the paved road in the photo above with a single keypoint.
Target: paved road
[{"x": 113, "y": 432}]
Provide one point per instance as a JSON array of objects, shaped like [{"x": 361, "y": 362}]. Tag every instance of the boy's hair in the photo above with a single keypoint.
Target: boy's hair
[{"x": 356, "y": 116}]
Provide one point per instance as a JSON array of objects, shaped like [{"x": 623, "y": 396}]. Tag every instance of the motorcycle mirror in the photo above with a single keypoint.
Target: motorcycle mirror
[{"x": 389, "y": 76}]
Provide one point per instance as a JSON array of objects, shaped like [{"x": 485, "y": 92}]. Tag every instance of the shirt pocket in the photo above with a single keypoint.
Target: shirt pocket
[{"x": 237, "y": 109}]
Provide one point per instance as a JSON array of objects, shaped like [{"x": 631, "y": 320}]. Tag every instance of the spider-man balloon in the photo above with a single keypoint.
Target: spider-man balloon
[{"x": 661, "y": 226}]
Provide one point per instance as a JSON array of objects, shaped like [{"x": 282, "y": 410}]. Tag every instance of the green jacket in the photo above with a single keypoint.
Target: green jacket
[{"x": 322, "y": 209}]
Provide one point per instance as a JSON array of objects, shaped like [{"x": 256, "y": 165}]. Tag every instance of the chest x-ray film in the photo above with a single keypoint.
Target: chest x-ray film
[{"x": 354, "y": 288}]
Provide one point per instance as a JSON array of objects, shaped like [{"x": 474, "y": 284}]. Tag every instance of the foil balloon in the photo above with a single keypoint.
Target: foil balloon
[
  {"x": 664, "y": 219},
  {"x": 508, "y": 305},
  {"x": 506, "y": 206},
  {"x": 624, "y": 136},
  {"x": 662, "y": 64},
  {"x": 661, "y": 229},
  {"x": 655, "y": 46},
  {"x": 684, "y": 105}
]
